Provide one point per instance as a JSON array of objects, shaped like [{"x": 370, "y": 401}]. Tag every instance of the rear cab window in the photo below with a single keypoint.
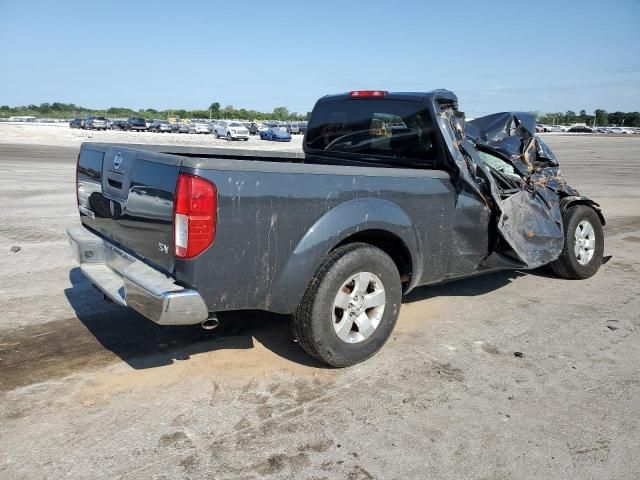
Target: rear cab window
[{"x": 399, "y": 130}]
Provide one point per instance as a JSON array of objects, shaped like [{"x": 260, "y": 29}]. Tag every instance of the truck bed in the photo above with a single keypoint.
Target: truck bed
[{"x": 276, "y": 216}]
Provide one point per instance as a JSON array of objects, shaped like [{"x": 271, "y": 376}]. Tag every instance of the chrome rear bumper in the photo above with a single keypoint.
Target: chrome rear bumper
[{"x": 130, "y": 282}]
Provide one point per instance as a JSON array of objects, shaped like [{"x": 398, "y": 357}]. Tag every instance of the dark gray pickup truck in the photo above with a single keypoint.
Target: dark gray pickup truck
[{"x": 393, "y": 191}]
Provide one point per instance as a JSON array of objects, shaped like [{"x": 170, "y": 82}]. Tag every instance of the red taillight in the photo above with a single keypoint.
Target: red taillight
[
  {"x": 368, "y": 93},
  {"x": 194, "y": 215}
]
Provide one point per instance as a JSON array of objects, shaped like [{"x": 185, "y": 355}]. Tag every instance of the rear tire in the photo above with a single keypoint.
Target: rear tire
[
  {"x": 350, "y": 306},
  {"x": 583, "y": 249}
]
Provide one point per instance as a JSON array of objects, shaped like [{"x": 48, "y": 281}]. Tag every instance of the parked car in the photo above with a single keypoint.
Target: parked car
[
  {"x": 334, "y": 237},
  {"x": 95, "y": 123},
  {"x": 252, "y": 127},
  {"x": 620, "y": 130},
  {"x": 294, "y": 128},
  {"x": 199, "y": 127},
  {"x": 118, "y": 124},
  {"x": 77, "y": 123},
  {"x": 148, "y": 123},
  {"x": 160, "y": 126},
  {"x": 180, "y": 128},
  {"x": 580, "y": 129},
  {"x": 303, "y": 127},
  {"x": 231, "y": 130},
  {"x": 276, "y": 134},
  {"x": 137, "y": 124}
]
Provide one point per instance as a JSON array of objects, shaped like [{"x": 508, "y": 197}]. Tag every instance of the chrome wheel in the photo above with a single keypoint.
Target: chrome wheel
[
  {"x": 585, "y": 242},
  {"x": 358, "y": 307}
]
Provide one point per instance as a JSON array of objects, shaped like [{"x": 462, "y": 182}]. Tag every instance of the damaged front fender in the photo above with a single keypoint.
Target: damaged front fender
[
  {"x": 517, "y": 175},
  {"x": 573, "y": 200}
]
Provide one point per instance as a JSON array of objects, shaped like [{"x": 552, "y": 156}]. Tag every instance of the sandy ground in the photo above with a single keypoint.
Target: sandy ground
[{"x": 90, "y": 390}]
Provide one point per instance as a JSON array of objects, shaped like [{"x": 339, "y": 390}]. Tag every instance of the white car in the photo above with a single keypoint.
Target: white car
[
  {"x": 231, "y": 130},
  {"x": 620, "y": 130},
  {"x": 199, "y": 127}
]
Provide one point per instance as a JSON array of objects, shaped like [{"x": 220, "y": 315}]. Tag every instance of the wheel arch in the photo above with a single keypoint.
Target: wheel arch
[
  {"x": 391, "y": 244},
  {"x": 374, "y": 221},
  {"x": 572, "y": 200}
]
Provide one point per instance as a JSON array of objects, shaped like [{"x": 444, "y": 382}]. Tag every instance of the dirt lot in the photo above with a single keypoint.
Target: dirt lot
[
  {"x": 90, "y": 390},
  {"x": 61, "y": 135}
]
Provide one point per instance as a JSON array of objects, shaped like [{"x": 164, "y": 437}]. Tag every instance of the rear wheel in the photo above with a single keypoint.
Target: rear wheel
[
  {"x": 583, "y": 244},
  {"x": 350, "y": 306}
]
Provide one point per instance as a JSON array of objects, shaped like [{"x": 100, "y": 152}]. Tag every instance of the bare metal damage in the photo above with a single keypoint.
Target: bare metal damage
[{"x": 500, "y": 158}]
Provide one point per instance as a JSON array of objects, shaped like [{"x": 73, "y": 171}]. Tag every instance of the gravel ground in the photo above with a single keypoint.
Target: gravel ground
[
  {"x": 61, "y": 135},
  {"x": 90, "y": 390}
]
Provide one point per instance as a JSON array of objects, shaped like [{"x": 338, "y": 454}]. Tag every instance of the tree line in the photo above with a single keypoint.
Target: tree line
[
  {"x": 599, "y": 118},
  {"x": 69, "y": 110}
]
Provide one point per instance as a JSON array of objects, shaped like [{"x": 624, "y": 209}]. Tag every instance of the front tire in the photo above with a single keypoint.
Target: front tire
[
  {"x": 350, "y": 306},
  {"x": 583, "y": 249}
]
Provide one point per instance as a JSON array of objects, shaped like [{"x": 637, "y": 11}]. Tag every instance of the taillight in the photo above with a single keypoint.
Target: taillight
[
  {"x": 368, "y": 93},
  {"x": 194, "y": 215}
]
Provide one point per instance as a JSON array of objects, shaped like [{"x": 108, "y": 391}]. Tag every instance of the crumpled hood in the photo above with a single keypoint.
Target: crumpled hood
[
  {"x": 500, "y": 158},
  {"x": 512, "y": 135}
]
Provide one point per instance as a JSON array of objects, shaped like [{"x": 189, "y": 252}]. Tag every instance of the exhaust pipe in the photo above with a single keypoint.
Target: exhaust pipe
[{"x": 210, "y": 323}]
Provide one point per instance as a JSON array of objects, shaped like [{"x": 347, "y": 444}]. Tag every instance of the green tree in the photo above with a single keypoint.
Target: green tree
[
  {"x": 228, "y": 112},
  {"x": 602, "y": 119},
  {"x": 632, "y": 119},
  {"x": 616, "y": 118},
  {"x": 583, "y": 116},
  {"x": 280, "y": 113},
  {"x": 214, "y": 108},
  {"x": 570, "y": 117}
]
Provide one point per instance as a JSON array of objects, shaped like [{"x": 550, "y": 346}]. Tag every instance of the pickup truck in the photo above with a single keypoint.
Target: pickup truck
[
  {"x": 392, "y": 191},
  {"x": 137, "y": 124}
]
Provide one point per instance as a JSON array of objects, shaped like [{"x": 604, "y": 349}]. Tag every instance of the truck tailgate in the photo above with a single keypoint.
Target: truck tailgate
[{"x": 127, "y": 197}]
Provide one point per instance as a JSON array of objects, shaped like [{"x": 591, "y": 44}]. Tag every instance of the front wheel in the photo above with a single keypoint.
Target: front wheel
[
  {"x": 350, "y": 306},
  {"x": 583, "y": 249},
  {"x": 229, "y": 137}
]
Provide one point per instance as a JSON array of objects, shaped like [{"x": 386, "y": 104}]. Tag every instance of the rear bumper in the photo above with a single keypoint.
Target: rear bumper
[{"x": 130, "y": 282}]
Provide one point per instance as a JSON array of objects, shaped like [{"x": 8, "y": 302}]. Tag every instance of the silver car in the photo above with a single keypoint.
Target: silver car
[
  {"x": 231, "y": 130},
  {"x": 96, "y": 123},
  {"x": 199, "y": 127}
]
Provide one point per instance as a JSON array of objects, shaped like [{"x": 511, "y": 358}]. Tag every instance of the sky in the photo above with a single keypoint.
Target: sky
[{"x": 542, "y": 56}]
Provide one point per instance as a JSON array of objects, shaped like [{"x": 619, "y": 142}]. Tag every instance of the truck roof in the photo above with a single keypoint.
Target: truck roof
[{"x": 426, "y": 97}]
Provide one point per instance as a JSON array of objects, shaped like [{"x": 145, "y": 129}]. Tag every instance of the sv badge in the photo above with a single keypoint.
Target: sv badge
[{"x": 163, "y": 248}]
